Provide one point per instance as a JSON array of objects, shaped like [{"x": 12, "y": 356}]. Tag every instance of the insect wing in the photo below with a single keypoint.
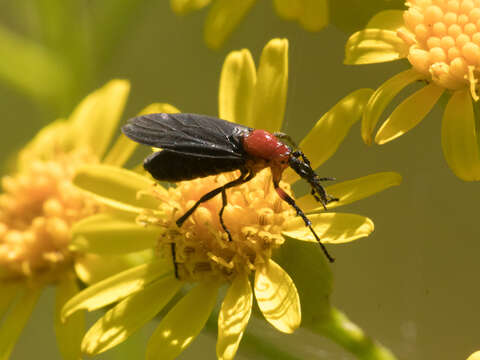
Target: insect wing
[{"x": 189, "y": 133}]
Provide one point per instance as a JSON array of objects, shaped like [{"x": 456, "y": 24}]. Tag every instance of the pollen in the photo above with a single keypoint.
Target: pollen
[
  {"x": 444, "y": 41},
  {"x": 254, "y": 215},
  {"x": 38, "y": 207}
]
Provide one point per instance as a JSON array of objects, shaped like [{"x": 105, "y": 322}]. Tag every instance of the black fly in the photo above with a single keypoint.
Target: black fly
[{"x": 195, "y": 146}]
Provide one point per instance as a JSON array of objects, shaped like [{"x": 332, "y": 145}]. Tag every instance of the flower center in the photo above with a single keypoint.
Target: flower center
[
  {"x": 37, "y": 210},
  {"x": 444, "y": 40},
  {"x": 254, "y": 215}
]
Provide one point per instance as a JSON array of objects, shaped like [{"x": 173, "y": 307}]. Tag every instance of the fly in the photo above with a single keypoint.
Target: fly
[{"x": 195, "y": 146}]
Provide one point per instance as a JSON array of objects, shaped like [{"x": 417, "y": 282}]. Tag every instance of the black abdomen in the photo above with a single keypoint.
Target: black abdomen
[{"x": 168, "y": 165}]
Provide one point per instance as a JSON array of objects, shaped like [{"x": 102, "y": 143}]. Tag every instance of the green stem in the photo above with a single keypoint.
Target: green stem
[{"x": 348, "y": 335}]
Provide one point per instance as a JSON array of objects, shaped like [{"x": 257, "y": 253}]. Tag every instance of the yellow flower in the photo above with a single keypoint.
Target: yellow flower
[
  {"x": 225, "y": 15},
  {"x": 40, "y": 205},
  {"x": 260, "y": 223},
  {"x": 474, "y": 356},
  {"x": 441, "y": 41}
]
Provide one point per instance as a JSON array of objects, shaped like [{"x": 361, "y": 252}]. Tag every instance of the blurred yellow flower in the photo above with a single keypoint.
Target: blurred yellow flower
[
  {"x": 256, "y": 217},
  {"x": 474, "y": 356},
  {"x": 441, "y": 41},
  {"x": 40, "y": 205},
  {"x": 225, "y": 15}
]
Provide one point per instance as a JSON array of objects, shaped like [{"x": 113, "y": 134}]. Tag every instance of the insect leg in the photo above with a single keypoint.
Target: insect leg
[
  {"x": 224, "y": 199},
  {"x": 326, "y": 179},
  {"x": 174, "y": 258},
  {"x": 284, "y": 196},
  {"x": 244, "y": 177},
  {"x": 220, "y": 214}
]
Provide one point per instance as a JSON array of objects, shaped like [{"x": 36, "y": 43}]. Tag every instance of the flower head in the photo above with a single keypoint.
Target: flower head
[
  {"x": 259, "y": 221},
  {"x": 40, "y": 205},
  {"x": 474, "y": 356},
  {"x": 441, "y": 40}
]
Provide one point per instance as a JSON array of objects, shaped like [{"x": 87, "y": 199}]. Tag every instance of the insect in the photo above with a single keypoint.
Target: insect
[{"x": 195, "y": 146}]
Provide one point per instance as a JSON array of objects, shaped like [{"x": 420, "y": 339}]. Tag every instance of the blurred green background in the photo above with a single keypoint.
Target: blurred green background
[{"x": 412, "y": 285}]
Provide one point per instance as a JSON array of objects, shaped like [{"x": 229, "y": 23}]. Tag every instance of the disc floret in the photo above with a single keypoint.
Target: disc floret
[
  {"x": 444, "y": 41},
  {"x": 254, "y": 216},
  {"x": 37, "y": 210}
]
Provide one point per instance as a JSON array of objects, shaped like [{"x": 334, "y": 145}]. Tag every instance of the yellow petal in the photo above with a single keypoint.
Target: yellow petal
[
  {"x": 237, "y": 83},
  {"x": 69, "y": 333},
  {"x": 116, "y": 187},
  {"x": 183, "y": 322},
  {"x": 409, "y": 113},
  {"x": 96, "y": 118},
  {"x": 129, "y": 315},
  {"x": 314, "y": 16},
  {"x": 374, "y": 46},
  {"x": 332, "y": 228},
  {"x": 222, "y": 19},
  {"x": 288, "y": 9},
  {"x": 352, "y": 190},
  {"x": 311, "y": 14},
  {"x": 387, "y": 20},
  {"x": 328, "y": 133},
  {"x": 124, "y": 147},
  {"x": 48, "y": 140},
  {"x": 182, "y": 7},
  {"x": 109, "y": 233},
  {"x": 382, "y": 97},
  {"x": 271, "y": 87},
  {"x": 117, "y": 287},
  {"x": 91, "y": 268},
  {"x": 474, "y": 356},
  {"x": 14, "y": 322},
  {"x": 459, "y": 139},
  {"x": 312, "y": 277},
  {"x": 233, "y": 318},
  {"x": 277, "y": 297}
]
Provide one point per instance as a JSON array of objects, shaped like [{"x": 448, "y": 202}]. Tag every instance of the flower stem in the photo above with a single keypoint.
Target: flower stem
[{"x": 348, "y": 335}]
